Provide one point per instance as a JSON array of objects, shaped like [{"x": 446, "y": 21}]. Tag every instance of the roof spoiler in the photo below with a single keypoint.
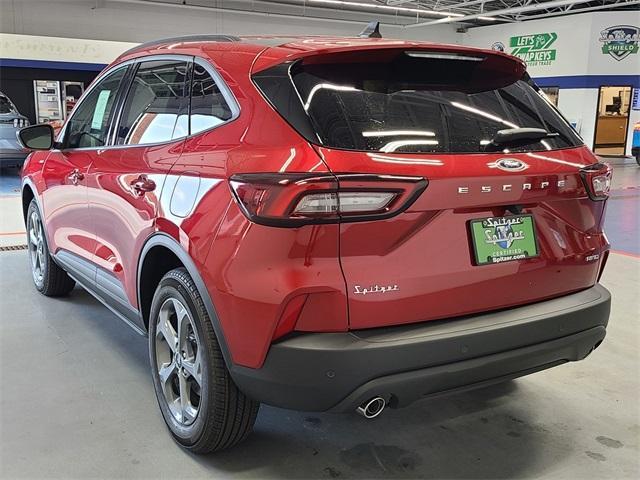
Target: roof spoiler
[{"x": 372, "y": 30}]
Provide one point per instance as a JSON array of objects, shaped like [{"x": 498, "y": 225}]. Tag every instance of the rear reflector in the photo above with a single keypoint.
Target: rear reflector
[{"x": 291, "y": 200}]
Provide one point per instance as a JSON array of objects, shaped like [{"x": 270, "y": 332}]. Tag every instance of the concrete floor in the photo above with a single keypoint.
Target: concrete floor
[{"x": 76, "y": 401}]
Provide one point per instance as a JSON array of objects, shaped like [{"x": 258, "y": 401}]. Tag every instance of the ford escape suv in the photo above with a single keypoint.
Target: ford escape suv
[{"x": 321, "y": 224}]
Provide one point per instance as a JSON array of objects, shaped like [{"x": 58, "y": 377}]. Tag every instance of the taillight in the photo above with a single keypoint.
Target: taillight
[
  {"x": 597, "y": 180},
  {"x": 290, "y": 200}
]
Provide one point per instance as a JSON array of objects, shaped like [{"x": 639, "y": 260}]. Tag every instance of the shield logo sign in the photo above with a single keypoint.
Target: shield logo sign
[{"x": 620, "y": 41}]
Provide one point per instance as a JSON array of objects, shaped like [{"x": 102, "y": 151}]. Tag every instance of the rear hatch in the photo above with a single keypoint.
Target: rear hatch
[{"x": 501, "y": 220}]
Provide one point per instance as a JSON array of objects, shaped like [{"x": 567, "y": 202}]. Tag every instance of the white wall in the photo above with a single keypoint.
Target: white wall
[
  {"x": 36, "y": 47},
  {"x": 27, "y": 26},
  {"x": 578, "y": 52},
  {"x": 579, "y": 106},
  {"x": 134, "y": 22}
]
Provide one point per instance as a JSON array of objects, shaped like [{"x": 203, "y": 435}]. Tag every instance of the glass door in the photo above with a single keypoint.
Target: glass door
[{"x": 612, "y": 120}]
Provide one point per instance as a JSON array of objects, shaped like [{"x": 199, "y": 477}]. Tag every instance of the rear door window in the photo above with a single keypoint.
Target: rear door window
[
  {"x": 407, "y": 103},
  {"x": 157, "y": 106}
]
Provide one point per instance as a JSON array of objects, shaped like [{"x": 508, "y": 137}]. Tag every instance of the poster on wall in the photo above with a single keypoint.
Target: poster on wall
[
  {"x": 71, "y": 92},
  {"x": 535, "y": 49},
  {"x": 620, "y": 41},
  {"x": 47, "y": 99}
]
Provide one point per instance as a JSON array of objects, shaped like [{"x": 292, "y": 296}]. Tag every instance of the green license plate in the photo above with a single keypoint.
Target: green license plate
[{"x": 503, "y": 239}]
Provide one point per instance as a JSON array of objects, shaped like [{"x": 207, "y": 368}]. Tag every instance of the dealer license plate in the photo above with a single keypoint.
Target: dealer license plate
[{"x": 503, "y": 239}]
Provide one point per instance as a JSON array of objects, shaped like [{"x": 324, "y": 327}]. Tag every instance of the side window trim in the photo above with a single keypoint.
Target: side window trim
[
  {"x": 125, "y": 85},
  {"x": 122, "y": 98},
  {"x": 226, "y": 92},
  {"x": 188, "y": 59},
  {"x": 63, "y": 137}
]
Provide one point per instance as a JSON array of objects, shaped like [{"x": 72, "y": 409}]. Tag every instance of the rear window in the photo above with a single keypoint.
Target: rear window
[{"x": 416, "y": 102}]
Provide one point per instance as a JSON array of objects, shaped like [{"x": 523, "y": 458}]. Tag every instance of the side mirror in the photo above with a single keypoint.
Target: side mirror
[{"x": 37, "y": 137}]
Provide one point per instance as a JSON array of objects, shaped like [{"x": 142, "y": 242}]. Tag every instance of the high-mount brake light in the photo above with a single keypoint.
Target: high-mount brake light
[
  {"x": 444, "y": 56},
  {"x": 291, "y": 200},
  {"x": 597, "y": 180}
]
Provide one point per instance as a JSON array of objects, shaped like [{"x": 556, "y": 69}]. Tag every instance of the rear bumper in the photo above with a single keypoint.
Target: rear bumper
[{"x": 338, "y": 371}]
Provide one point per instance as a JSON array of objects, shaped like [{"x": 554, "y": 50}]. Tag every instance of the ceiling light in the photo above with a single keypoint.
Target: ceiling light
[
  {"x": 482, "y": 113},
  {"x": 393, "y": 146},
  {"x": 387, "y": 7},
  {"x": 487, "y": 19},
  {"x": 393, "y": 133},
  {"x": 326, "y": 86}
]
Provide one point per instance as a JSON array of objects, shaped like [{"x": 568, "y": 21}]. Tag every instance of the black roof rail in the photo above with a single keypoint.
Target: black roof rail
[{"x": 185, "y": 38}]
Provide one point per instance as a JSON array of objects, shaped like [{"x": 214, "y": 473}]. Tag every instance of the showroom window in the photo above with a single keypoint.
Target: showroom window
[
  {"x": 156, "y": 109},
  {"x": 89, "y": 125},
  {"x": 209, "y": 108}
]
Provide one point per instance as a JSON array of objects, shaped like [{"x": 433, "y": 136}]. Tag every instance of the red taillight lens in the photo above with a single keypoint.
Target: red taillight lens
[
  {"x": 597, "y": 180},
  {"x": 290, "y": 200}
]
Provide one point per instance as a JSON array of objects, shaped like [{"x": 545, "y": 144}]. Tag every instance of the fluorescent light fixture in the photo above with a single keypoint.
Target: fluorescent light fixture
[
  {"x": 482, "y": 113},
  {"x": 387, "y": 7},
  {"x": 393, "y": 133},
  {"x": 443, "y": 56},
  {"x": 404, "y": 160},
  {"x": 326, "y": 86},
  {"x": 393, "y": 146},
  {"x": 487, "y": 19},
  {"x": 554, "y": 160}
]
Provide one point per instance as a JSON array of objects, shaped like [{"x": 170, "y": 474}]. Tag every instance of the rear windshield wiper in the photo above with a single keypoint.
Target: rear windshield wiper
[{"x": 517, "y": 137}]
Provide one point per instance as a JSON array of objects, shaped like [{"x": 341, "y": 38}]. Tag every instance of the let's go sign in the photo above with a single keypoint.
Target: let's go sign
[{"x": 534, "y": 49}]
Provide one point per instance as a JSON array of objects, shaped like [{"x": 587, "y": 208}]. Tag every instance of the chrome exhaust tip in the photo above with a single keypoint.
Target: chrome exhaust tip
[{"x": 372, "y": 408}]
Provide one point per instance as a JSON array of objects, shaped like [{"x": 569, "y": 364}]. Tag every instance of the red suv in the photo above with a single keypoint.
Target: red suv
[{"x": 322, "y": 224}]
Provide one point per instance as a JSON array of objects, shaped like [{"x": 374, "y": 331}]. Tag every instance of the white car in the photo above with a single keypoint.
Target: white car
[{"x": 11, "y": 121}]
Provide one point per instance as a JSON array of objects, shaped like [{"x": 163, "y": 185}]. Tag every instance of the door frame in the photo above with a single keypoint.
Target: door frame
[{"x": 595, "y": 127}]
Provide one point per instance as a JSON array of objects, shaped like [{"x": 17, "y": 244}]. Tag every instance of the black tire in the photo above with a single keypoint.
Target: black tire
[
  {"x": 225, "y": 416},
  {"x": 48, "y": 278}
]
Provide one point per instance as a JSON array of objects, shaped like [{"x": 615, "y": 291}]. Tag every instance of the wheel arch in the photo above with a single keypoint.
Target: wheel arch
[
  {"x": 27, "y": 197},
  {"x": 148, "y": 272},
  {"x": 30, "y": 192}
]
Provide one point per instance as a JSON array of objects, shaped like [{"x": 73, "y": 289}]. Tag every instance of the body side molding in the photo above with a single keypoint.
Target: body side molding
[{"x": 85, "y": 273}]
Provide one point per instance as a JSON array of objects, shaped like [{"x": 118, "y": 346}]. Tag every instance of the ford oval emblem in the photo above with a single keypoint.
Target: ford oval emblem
[{"x": 510, "y": 165}]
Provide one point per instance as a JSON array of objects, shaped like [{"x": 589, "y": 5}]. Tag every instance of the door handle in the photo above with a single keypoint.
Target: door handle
[
  {"x": 75, "y": 176},
  {"x": 142, "y": 185}
]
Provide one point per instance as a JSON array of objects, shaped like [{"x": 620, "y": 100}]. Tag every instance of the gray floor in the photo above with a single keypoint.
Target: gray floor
[{"x": 76, "y": 401}]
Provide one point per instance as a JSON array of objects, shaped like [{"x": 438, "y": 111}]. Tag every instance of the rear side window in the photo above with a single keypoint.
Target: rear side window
[
  {"x": 88, "y": 126},
  {"x": 157, "y": 105},
  {"x": 408, "y": 103},
  {"x": 209, "y": 108}
]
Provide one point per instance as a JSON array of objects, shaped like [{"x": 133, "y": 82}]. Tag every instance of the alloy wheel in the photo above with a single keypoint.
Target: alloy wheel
[
  {"x": 178, "y": 361},
  {"x": 37, "y": 248}
]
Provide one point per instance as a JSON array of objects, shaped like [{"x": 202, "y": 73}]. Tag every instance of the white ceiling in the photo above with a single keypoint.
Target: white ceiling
[{"x": 417, "y": 13}]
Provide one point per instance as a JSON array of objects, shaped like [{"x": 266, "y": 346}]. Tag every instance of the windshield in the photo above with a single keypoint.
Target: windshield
[
  {"x": 430, "y": 104},
  {"x": 5, "y": 105}
]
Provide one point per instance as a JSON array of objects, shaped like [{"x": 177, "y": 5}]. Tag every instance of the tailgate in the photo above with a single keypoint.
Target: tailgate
[{"x": 421, "y": 265}]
